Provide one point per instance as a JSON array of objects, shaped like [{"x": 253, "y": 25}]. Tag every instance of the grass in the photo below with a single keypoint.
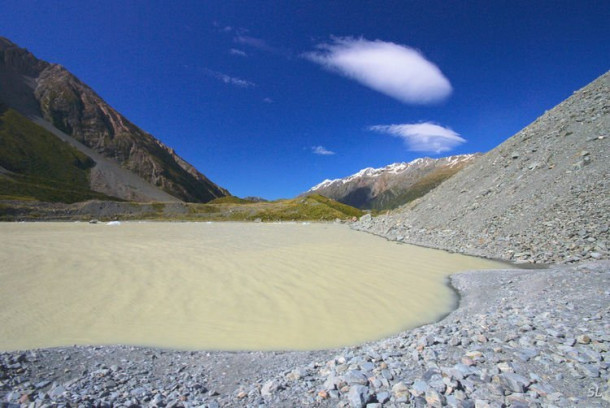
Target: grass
[
  {"x": 229, "y": 200},
  {"x": 311, "y": 208},
  {"x": 41, "y": 166}
]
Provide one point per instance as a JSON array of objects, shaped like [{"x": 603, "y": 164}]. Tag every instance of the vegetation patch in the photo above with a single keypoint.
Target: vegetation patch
[
  {"x": 40, "y": 166},
  {"x": 229, "y": 200}
]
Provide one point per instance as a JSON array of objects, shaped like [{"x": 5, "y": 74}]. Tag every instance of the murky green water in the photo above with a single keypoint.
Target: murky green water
[{"x": 229, "y": 286}]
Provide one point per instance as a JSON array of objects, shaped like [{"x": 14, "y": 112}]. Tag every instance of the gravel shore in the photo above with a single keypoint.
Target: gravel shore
[{"x": 519, "y": 338}]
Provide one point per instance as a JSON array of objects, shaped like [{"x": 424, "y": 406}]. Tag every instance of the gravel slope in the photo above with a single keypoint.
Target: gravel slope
[{"x": 543, "y": 196}]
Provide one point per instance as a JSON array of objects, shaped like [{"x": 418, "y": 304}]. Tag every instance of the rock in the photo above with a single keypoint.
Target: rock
[
  {"x": 42, "y": 384},
  {"x": 434, "y": 399},
  {"x": 400, "y": 391},
  {"x": 355, "y": 377},
  {"x": 419, "y": 388},
  {"x": 57, "y": 391},
  {"x": 514, "y": 382},
  {"x": 583, "y": 339},
  {"x": 383, "y": 397},
  {"x": 358, "y": 396},
  {"x": 365, "y": 218},
  {"x": 269, "y": 388}
]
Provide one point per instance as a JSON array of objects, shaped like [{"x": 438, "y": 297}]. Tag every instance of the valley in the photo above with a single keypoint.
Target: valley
[{"x": 518, "y": 337}]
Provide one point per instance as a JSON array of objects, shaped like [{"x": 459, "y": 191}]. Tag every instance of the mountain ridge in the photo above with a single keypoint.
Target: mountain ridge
[
  {"x": 392, "y": 185},
  {"x": 44, "y": 91}
]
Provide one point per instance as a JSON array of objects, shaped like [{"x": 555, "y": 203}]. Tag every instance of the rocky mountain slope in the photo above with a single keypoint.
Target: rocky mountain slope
[
  {"x": 36, "y": 165},
  {"x": 542, "y": 196},
  {"x": 129, "y": 163},
  {"x": 393, "y": 185}
]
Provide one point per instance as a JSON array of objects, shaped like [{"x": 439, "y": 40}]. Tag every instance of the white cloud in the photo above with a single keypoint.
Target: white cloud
[
  {"x": 237, "y": 52},
  {"x": 254, "y": 43},
  {"x": 423, "y": 137},
  {"x": 321, "y": 150},
  {"x": 395, "y": 70},
  {"x": 268, "y": 100},
  {"x": 227, "y": 79}
]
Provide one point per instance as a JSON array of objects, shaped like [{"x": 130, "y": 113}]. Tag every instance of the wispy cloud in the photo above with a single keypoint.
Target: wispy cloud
[
  {"x": 239, "y": 53},
  {"x": 253, "y": 42},
  {"x": 423, "y": 137},
  {"x": 260, "y": 44},
  {"x": 227, "y": 79},
  {"x": 268, "y": 100},
  {"x": 321, "y": 150},
  {"x": 222, "y": 28},
  {"x": 398, "y": 71}
]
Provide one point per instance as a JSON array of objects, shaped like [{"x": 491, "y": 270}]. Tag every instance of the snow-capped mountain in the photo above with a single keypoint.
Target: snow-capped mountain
[{"x": 393, "y": 185}]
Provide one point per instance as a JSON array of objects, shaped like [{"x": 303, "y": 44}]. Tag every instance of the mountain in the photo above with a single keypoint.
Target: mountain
[
  {"x": 126, "y": 162},
  {"x": 542, "y": 196},
  {"x": 393, "y": 185}
]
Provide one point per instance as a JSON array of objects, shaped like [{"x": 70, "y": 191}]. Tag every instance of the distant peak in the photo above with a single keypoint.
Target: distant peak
[{"x": 396, "y": 168}]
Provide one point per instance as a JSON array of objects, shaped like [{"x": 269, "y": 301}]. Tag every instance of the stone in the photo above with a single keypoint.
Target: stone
[
  {"x": 419, "y": 388},
  {"x": 57, "y": 391},
  {"x": 358, "y": 396},
  {"x": 400, "y": 390},
  {"x": 583, "y": 339},
  {"x": 467, "y": 361},
  {"x": 269, "y": 388},
  {"x": 355, "y": 377},
  {"x": 514, "y": 382},
  {"x": 42, "y": 384},
  {"x": 366, "y": 218},
  {"x": 433, "y": 398},
  {"x": 383, "y": 397}
]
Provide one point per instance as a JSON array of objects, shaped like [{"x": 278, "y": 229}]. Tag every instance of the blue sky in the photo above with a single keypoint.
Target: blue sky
[{"x": 268, "y": 98}]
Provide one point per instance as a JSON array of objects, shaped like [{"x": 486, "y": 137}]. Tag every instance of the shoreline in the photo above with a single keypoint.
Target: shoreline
[{"x": 519, "y": 337}]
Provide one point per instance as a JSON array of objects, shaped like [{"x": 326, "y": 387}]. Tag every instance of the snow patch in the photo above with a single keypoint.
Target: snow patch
[{"x": 394, "y": 168}]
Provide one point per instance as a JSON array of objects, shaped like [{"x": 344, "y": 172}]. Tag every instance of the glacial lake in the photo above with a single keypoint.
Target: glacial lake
[{"x": 216, "y": 286}]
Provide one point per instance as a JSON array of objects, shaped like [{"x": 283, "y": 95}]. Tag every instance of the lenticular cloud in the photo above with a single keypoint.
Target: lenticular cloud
[
  {"x": 423, "y": 137},
  {"x": 392, "y": 69}
]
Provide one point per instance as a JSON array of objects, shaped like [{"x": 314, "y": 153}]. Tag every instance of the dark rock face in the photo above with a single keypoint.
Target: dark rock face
[
  {"x": 38, "y": 88},
  {"x": 540, "y": 197},
  {"x": 393, "y": 185}
]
